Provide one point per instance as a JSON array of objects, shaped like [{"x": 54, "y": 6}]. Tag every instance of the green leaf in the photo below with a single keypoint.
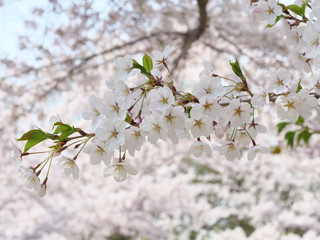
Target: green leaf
[
  {"x": 290, "y": 138},
  {"x": 303, "y": 8},
  {"x": 61, "y": 127},
  {"x": 66, "y": 134},
  {"x": 33, "y": 137},
  {"x": 275, "y": 22},
  {"x": 300, "y": 121},
  {"x": 299, "y": 87},
  {"x": 147, "y": 62},
  {"x": 236, "y": 68},
  {"x": 188, "y": 110},
  {"x": 136, "y": 65},
  {"x": 281, "y": 126},
  {"x": 305, "y": 136},
  {"x": 65, "y": 130},
  {"x": 296, "y": 9}
]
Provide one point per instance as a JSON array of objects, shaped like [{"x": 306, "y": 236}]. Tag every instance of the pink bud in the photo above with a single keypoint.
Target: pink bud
[
  {"x": 255, "y": 10},
  {"x": 219, "y": 131}
]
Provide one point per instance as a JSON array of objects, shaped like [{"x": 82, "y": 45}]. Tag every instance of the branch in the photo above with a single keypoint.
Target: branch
[{"x": 194, "y": 34}]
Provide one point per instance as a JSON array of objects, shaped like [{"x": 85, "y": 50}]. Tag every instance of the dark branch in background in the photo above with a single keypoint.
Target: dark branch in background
[
  {"x": 86, "y": 59},
  {"x": 194, "y": 34}
]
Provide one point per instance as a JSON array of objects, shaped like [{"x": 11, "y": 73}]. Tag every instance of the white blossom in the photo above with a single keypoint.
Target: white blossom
[
  {"x": 161, "y": 57},
  {"x": 134, "y": 139},
  {"x": 155, "y": 127},
  {"x": 198, "y": 148},
  {"x": 243, "y": 138},
  {"x": 119, "y": 171},
  {"x": 300, "y": 61},
  {"x": 254, "y": 128},
  {"x": 97, "y": 151},
  {"x": 125, "y": 68},
  {"x": 252, "y": 153},
  {"x": 69, "y": 167},
  {"x": 211, "y": 107},
  {"x": 208, "y": 86},
  {"x": 198, "y": 123},
  {"x": 161, "y": 98},
  {"x": 238, "y": 113},
  {"x": 311, "y": 37},
  {"x": 114, "y": 107},
  {"x": 268, "y": 10},
  {"x": 291, "y": 106},
  {"x": 261, "y": 100},
  {"x": 278, "y": 80},
  {"x": 32, "y": 181},
  {"x": 15, "y": 155},
  {"x": 229, "y": 150},
  {"x": 113, "y": 134},
  {"x": 95, "y": 111},
  {"x": 43, "y": 191}
]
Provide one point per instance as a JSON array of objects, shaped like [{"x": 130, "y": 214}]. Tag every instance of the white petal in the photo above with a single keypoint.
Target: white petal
[
  {"x": 108, "y": 171},
  {"x": 130, "y": 169}
]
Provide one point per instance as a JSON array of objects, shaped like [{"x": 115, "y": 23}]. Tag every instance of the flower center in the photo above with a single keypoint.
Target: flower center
[
  {"x": 198, "y": 123},
  {"x": 289, "y": 105},
  {"x": 164, "y": 100},
  {"x": 207, "y": 106},
  {"x": 270, "y": 10},
  {"x": 156, "y": 128},
  {"x": 315, "y": 42},
  {"x": 238, "y": 111},
  {"x": 209, "y": 90},
  {"x": 280, "y": 82},
  {"x": 115, "y": 108},
  {"x": 96, "y": 112},
  {"x": 136, "y": 134}
]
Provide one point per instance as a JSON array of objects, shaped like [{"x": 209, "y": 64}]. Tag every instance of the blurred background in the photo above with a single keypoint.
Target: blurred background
[{"x": 54, "y": 54}]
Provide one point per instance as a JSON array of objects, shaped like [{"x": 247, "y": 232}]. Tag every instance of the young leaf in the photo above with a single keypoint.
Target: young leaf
[
  {"x": 236, "y": 68},
  {"x": 33, "y": 137},
  {"x": 299, "y": 87},
  {"x": 61, "y": 127},
  {"x": 281, "y": 126},
  {"x": 66, "y": 134},
  {"x": 303, "y": 8},
  {"x": 65, "y": 130},
  {"x": 147, "y": 62},
  {"x": 188, "y": 110},
  {"x": 290, "y": 138},
  {"x": 300, "y": 121},
  {"x": 136, "y": 65},
  {"x": 305, "y": 136},
  {"x": 277, "y": 20},
  {"x": 296, "y": 9}
]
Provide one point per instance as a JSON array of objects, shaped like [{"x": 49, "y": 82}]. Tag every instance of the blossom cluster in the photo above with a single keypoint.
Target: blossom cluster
[{"x": 143, "y": 104}]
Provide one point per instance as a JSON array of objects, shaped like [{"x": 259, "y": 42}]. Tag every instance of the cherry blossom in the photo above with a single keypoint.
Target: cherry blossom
[
  {"x": 32, "y": 181},
  {"x": 68, "y": 167},
  {"x": 277, "y": 81},
  {"x": 198, "y": 148},
  {"x": 97, "y": 151},
  {"x": 229, "y": 150},
  {"x": 252, "y": 153},
  {"x": 119, "y": 171},
  {"x": 112, "y": 134},
  {"x": 134, "y": 139},
  {"x": 161, "y": 98},
  {"x": 238, "y": 113},
  {"x": 268, "y": 10},
  {"x": 198, "y": 123},
  {"x": 97, "y": 108}
]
